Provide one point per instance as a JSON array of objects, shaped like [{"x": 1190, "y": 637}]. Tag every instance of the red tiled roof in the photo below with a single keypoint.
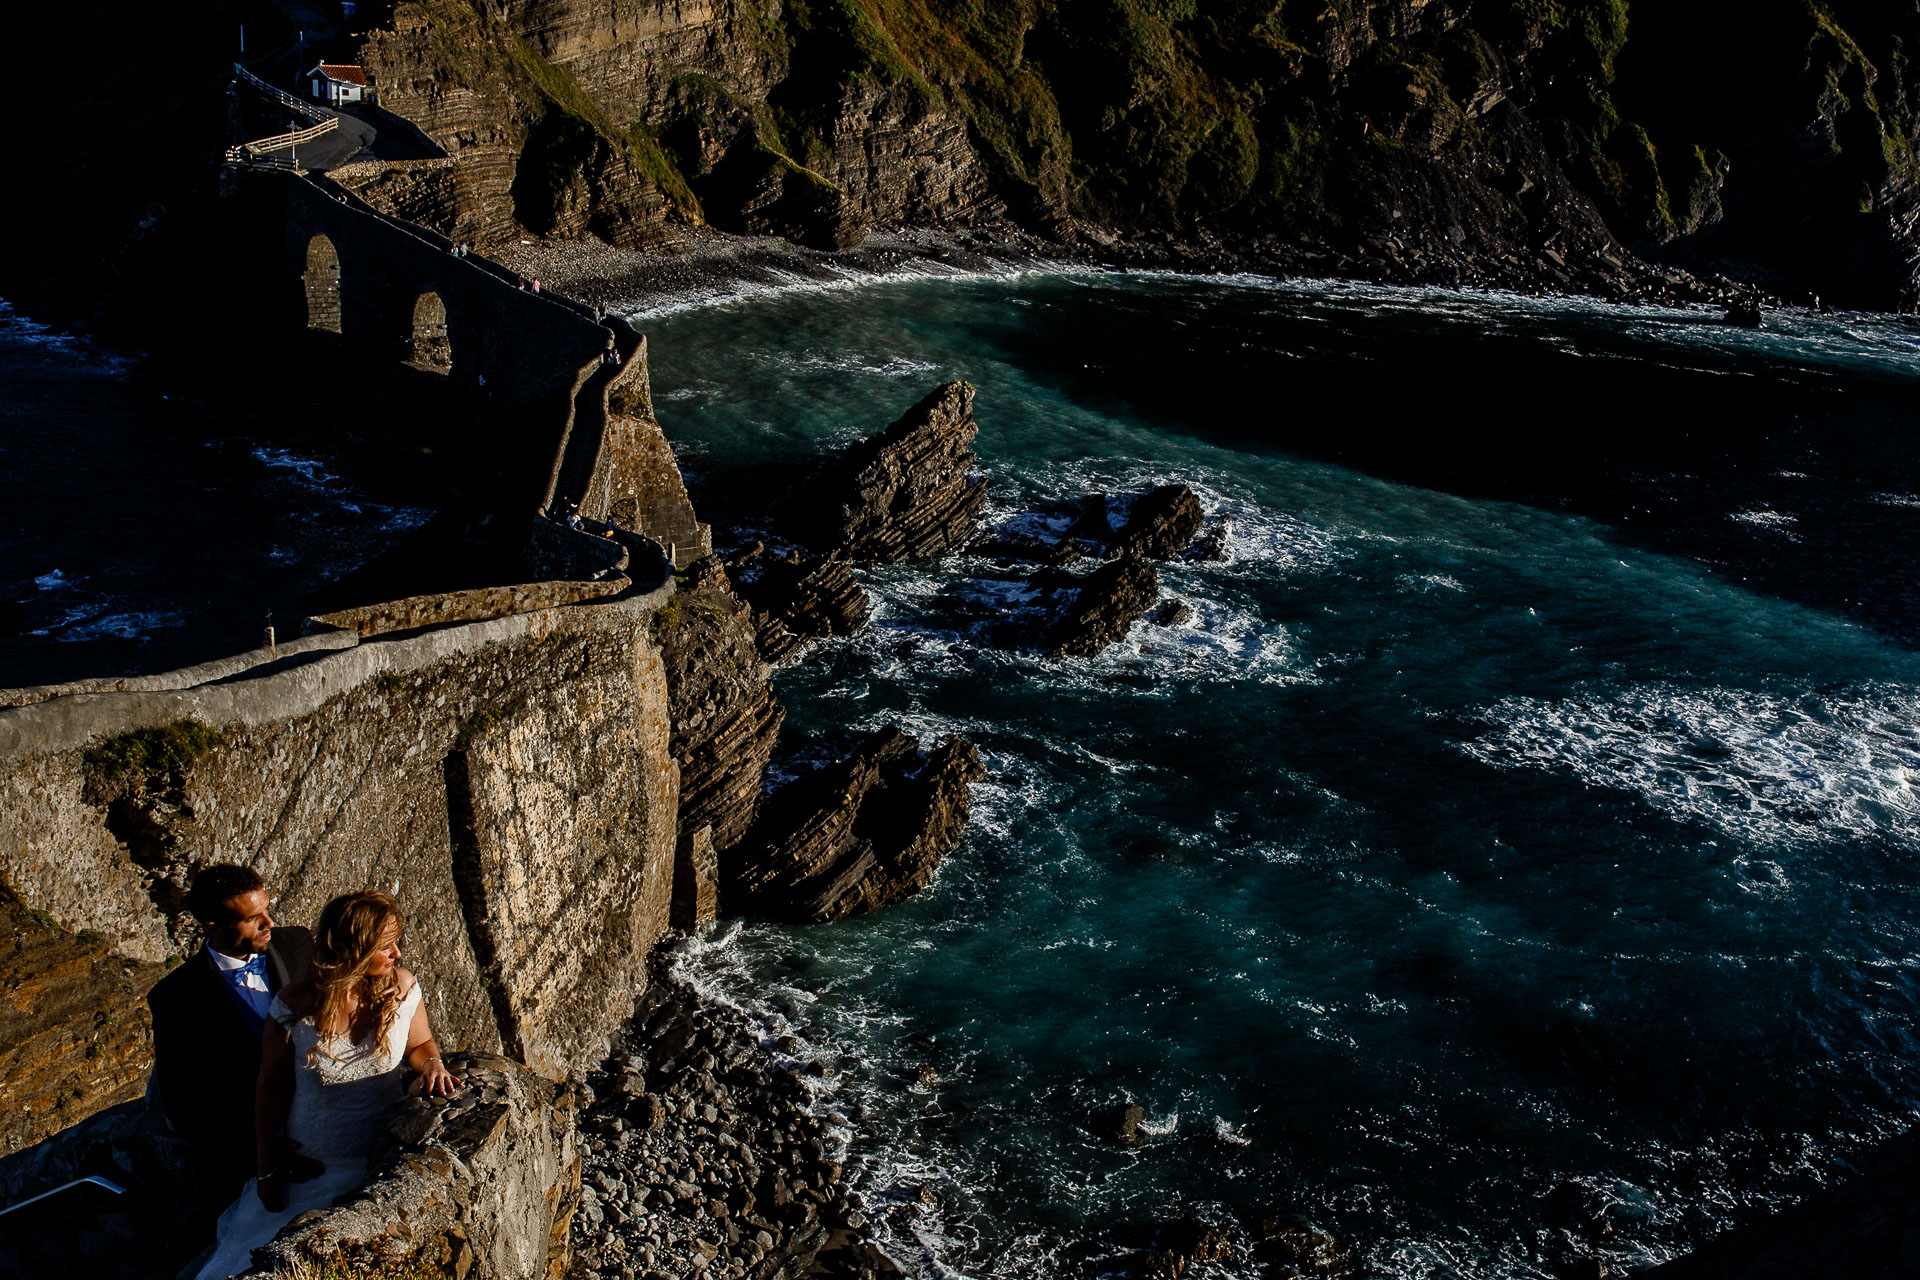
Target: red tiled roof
[{"x": 344, "y": 72}]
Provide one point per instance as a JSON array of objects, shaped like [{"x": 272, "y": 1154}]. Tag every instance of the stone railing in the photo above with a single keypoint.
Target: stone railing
[
  {"x": 465, "y": 606},
  {"x": 483, "y": 1184}
]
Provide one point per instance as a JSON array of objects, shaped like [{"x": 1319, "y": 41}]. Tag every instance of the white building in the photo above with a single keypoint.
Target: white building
[{"x": 337, "y": 83}]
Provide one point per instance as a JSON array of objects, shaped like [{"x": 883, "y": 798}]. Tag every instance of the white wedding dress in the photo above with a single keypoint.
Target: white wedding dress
[{"x": 339, "y": 1104}]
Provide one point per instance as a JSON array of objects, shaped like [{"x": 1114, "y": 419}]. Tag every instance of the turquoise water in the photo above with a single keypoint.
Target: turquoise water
[{"x": 1529, "y": 799}]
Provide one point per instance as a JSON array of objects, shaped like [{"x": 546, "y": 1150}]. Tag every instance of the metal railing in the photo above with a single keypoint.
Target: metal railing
[{"x": 96, "y": 1180}]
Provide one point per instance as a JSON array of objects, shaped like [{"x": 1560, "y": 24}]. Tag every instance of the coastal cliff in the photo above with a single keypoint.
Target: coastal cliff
[{"x": 1591, "y": 146}]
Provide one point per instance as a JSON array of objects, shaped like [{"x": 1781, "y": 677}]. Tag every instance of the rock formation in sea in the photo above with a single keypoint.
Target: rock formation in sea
[
  {"x": 797, "y": 596},
  {"x": 1080, "y": 615},
  {"x": 907, "y": 493},
  {"x": 860, "y": 833}
]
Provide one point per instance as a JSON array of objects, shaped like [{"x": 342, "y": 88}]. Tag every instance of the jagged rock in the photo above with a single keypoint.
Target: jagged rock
[
  {"x": 725, "y": 717},
  {"x": 1211, "y": 542},
  {"x": 861, "y": 833},
  {"x": 797, "y": 596},
  {"x": 1089, "y": 613},
  {"x": 1170, "y": 613},
  {"x": 1292, "y": 1242},
  {"x": 1161, "y": 523},
  {"x": 1182, "y": 1244},
  {"x": 1023, "y": 548},
  {"x": 1124, "y": 1122},
  {"x": 905, "y": 494}
]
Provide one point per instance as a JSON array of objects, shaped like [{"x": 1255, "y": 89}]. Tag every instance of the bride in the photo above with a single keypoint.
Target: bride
[{"x": 331, "y": 1059}]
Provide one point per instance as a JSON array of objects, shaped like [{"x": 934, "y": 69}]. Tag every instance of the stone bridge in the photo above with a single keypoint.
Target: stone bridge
[{"x": 536, "y": 364}]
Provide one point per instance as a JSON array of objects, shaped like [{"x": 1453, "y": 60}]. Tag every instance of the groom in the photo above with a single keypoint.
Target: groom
[{"x": 207, "y": 1016}]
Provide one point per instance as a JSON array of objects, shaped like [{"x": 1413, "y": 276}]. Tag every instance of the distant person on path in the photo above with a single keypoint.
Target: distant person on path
[
  {"x": 207, "y": 1019},
  {"x": 333, "y": 1057},
  {"x": 536, "y": 284}
]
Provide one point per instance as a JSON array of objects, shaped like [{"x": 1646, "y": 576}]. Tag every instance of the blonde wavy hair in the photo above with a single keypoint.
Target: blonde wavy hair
[{"x": 352, "y": 929}]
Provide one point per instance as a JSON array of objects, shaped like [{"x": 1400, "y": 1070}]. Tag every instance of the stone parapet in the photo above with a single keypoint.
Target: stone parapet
[
  {"x": 480, "y": 1186},
  {"x": 416, "y": 612}
]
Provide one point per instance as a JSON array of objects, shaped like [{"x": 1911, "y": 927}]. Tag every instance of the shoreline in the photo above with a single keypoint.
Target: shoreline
[
  {"x": 703, "y": 267},
  {"x": 704, "y": 1157}
]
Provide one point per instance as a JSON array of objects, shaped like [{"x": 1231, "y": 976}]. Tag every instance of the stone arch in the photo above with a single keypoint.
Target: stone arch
[
  {"x": 430, "y": 349},
  {"x": 323, "y": 285}
]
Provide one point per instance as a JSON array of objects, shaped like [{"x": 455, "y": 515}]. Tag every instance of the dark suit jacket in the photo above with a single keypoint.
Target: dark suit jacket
[{"x": 206, "y": 1058}]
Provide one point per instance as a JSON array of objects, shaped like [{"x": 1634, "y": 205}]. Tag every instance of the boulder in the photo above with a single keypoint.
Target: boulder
[
  {"x": 1160, "y": 524},
  {"x": 1084, "y": 614},
  {"x": 1123, "y": 1123},
  {"x": 904, "y": 494},
  {"x": 861, "y": 833},
  {"x": 1170, "y": 613}
]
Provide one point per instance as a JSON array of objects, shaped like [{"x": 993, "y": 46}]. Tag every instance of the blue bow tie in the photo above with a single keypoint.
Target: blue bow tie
[{"x": 258, "y": 964}]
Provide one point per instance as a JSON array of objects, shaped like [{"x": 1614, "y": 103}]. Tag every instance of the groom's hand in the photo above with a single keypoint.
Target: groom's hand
[{"x": 272, "y": 1189}]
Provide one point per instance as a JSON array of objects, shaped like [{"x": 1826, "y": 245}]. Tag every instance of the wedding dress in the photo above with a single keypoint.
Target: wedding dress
[{"x": 339, "y": 1104}]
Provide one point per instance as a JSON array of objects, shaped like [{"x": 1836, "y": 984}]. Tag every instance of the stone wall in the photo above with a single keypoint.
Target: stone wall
[
  {"x": 484, "y": 1183},
  {"x": 466, "y": 606},
  {"x": 636, "y": 481},
  {"x": 335, "y": 771}
]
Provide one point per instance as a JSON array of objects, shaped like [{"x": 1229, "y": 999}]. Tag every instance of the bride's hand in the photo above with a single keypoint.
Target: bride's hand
[{"x": 437, "y": 1079}]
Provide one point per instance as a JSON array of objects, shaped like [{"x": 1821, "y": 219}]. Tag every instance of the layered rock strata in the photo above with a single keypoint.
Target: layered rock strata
[
  {"x": 725, "y": 716},
  {"x": 797, "y": 596},
  {"x": 75, "y": 1034},
  {"x": 858, "y": 834},
  {"x": 908, "y": 493},
  {"x": 1081, "y": 615},
  {"x": 702, "y": 1158},
  {"x": 1160, "y": 523}
]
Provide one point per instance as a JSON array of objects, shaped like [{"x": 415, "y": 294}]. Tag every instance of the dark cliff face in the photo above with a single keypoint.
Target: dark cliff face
[
  {"x": 1537, "y": 141},
  {"x": 1529, "y": 142}
]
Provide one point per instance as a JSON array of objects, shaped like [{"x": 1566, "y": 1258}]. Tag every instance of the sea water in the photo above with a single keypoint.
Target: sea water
[{"x": 1529, "y": 798}]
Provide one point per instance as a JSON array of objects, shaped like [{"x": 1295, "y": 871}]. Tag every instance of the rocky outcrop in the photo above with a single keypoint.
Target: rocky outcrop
[
  {"x": 797, "y": 596},
  {"x": 855, "y": 835},
  {"x": 1080, "y": 616},
  {"x": 1158, "y": 524},
  {"x": 484, "y": 1183},
  {"x": 725, "y": 717},
  {"x": 904, "y": 494},
  {"x": 75, "y": 1033},
  {"x": 700, "y": 1148}
]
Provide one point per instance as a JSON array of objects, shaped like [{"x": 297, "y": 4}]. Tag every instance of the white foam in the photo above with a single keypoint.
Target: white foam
[
  {"x": 1772, "y": 769},
  {"x": 1779, "y": 522}
]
